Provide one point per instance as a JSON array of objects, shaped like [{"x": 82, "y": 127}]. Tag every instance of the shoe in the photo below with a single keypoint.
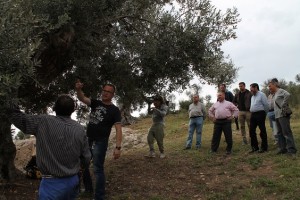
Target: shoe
[
  {"x": 228, "y": 152},
  {"x": 198, "y": 147},
  {"x": 245, "y": 142},
  {"x": 262, "y": 151},
  {"x": 253, "y": 151},
  {"x": 281, "y": 152},
  {"x": 151, "y": 154},
  {"x": 187, "y": 148},
  {"x": 162, "y": 155},
  {"x": 212, "y": 152}
]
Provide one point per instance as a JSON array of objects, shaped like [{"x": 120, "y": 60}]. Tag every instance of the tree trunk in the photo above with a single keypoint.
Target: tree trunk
[
  {"x": 7, "y": 151},
  {"x": 127, "y": 118}
]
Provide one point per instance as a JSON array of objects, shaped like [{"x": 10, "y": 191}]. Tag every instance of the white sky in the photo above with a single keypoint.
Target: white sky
[{"x": 268, "y": 43}]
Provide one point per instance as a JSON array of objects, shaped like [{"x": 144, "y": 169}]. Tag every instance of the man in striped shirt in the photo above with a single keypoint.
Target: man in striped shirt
[{"x": 61, "y": 148}]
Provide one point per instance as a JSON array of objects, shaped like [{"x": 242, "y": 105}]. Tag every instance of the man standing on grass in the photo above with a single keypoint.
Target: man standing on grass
[
  {"x": 156, "y": 131},
  {"x": 222, "y": 112},
  {"x": 243, "y": 101},
  {"x": 259, "y": 108},
  {"x": 104, "y": 114},
  {"x": 285, "y": 135},
  {"x": 197, "y": 115}
]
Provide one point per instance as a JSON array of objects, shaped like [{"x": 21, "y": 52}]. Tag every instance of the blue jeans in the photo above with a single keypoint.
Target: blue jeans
[
  {"x": 271, "y": 116},
  {"x": 99, "y": 153},
  {"x": 59, "y": 188},
  {"x": 86, "y": 176},
  {"x": 195, "y": 123}
]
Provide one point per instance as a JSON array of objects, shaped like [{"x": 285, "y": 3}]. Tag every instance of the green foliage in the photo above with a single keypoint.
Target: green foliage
[
  {"x": 184, "y": 105},
  {"x": 21, "y": 136},
  {"x": 292, "y": 87},
  {"x": 141, "y": 46}
]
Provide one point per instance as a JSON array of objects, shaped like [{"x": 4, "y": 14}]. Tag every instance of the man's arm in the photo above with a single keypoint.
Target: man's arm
[
  {"x": 26, "y": 123},
  {"x": 80, "y": 94},
  {"x": 117, "y": 151}
]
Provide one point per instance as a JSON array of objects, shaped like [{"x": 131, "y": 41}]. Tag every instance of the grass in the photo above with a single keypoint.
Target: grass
[{"x": 197, "y": 174}]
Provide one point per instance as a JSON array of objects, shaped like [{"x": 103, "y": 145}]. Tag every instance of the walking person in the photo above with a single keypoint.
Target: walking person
[
  {"x": 259, "y": 108},
  {"x": 104, "y": 114},
  {"x": 197, "y": 115},
  {"x": 222, "y": 112},
  {"x": 285, "y": 135},
  {"x": 243, "y": 101},
  {"x": 156, "y": 131},
  {"x": 61, "y": 148}
]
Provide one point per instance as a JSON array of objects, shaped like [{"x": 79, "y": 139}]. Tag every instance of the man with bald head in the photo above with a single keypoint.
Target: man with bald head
[{"x": 222, "y": 112}]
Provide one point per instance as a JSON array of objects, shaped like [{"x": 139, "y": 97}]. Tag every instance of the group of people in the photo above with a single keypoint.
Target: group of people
[
  {"x": 64, "y": 147},
  {"x": 251, "y": 108}
]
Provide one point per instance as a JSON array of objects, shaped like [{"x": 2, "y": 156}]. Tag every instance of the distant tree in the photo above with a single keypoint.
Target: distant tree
[
  {"x": 21, "y": 136},
  {"x": 292, "y": 87}
]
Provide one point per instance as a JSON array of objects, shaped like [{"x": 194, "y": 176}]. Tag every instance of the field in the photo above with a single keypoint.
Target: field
[
  {"x": 198, "y": 174},
  {"x": 190, "y": 174}
]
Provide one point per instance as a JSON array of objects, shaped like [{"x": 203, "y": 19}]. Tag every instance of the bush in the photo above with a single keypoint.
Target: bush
[{"x": 184, "y": 105}]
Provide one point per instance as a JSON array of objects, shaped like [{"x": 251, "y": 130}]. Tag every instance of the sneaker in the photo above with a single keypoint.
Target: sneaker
[
  {"x": 162, "y": 155},
  {"x": 151, "y": 154}
]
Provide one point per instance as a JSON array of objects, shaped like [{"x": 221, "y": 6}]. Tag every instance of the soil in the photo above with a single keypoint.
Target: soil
[{"x": 178, "y": 176}]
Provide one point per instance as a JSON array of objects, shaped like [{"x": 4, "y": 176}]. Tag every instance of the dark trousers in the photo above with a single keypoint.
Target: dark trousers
[
  {"x": 258, "y": 119},
  {"x": 219, "y": 126},
  {"x": 236, "y": 121},
  {"x": 86, "y": 176}
]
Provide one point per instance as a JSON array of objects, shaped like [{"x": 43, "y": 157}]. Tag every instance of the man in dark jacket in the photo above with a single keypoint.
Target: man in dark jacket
[{"x": 243, "y": 101}]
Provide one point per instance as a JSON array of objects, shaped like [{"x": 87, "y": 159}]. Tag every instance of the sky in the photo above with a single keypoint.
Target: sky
[{"x": 268, "y": 43}]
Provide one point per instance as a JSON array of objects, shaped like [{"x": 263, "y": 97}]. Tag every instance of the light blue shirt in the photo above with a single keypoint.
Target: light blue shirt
[{"x": 259, "y": 102}]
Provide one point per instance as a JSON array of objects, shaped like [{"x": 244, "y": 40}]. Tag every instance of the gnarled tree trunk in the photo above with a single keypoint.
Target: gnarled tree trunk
[{"x": 7, "y": 151}]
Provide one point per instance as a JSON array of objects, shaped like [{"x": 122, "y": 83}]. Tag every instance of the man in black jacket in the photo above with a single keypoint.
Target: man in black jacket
[{"x": 243, "y": 101}]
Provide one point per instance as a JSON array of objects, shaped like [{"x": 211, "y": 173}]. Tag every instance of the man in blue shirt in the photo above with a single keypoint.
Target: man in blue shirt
[{"x": 259, "y": 108}]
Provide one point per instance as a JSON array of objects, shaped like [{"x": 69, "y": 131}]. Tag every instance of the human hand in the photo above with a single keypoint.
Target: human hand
[
  {"x": 117, "y": 154},
  {"x": 78, "y": 85}
]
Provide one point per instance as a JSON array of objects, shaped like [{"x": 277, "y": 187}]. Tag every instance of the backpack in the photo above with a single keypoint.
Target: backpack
[{"x": 32, "y": 170}]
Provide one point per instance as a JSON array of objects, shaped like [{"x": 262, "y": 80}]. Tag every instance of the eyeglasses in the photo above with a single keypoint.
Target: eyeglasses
[{"x": 106, "y": 91}]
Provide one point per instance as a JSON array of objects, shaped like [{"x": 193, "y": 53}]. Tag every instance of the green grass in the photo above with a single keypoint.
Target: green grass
[{"x": 194, "y": 174}]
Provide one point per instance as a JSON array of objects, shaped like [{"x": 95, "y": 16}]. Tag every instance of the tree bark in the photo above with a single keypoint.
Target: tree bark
[{"x": 7, "y": 151}]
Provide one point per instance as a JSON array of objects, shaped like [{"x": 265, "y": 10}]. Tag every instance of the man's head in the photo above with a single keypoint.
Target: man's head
[
  {"x": 242, "y": 86},
  {"x": 158, "y": 101},
  {"x": 254, "y": 88},
  {"x": 273, "y": 85},
  {"x": 221, "y": 96},
  {"x": 108, "y": 92},
  {"x": 195, "y": 98},
  {"x": 222, "y": 87},
  {"x": 64, "y": 105}
]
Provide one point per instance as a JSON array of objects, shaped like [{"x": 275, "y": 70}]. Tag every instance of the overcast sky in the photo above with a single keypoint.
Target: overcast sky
[{"x": 268, "y": 43}]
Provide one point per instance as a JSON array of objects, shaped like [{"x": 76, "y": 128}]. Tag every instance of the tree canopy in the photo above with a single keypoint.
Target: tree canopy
[{"x": 142, "y": 46}]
